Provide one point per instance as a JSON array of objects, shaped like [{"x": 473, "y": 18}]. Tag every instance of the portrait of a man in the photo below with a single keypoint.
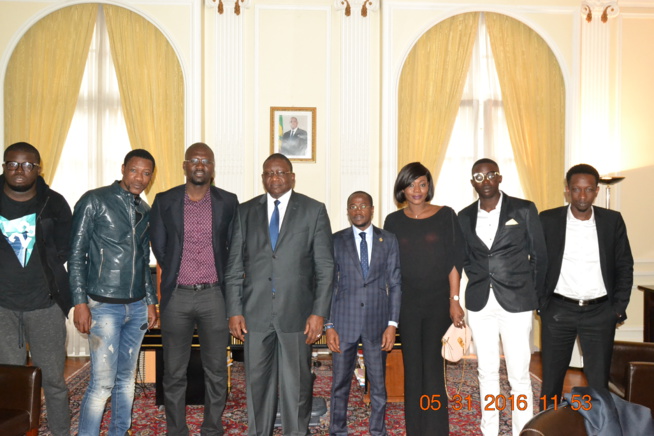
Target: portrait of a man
[{"x": 293, "y": 132}]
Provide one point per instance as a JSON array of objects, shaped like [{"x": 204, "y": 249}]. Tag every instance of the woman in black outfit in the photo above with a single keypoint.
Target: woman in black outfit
[{"x": 431, "y": 258}]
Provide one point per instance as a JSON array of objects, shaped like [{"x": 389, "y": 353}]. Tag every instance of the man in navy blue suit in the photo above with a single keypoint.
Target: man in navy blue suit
[{"x": 365, "y": 308}]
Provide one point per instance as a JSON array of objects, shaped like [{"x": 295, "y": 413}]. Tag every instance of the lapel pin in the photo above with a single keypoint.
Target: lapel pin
[{"x": 381, "y": 239}]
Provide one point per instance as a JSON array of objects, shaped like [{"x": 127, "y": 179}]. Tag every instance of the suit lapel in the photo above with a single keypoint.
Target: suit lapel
[
  {"x": 504, "y": 215},
  {"x": 177, "y": 215},
  {"x": 601, "y": 230},
  {"x": 349, "y": 241},
  {"x": 261, "y": 215},
  {"x": 216, "y": 216},
  {"x": 377, "y": 258},
  {"x": 288, "y": 222}
]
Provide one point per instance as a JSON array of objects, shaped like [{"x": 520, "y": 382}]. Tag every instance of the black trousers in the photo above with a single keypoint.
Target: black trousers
[
  {"x": 425, "y": 400},
  {"x": 187, "y": 309},
  {"x": 562, "y": 322}
]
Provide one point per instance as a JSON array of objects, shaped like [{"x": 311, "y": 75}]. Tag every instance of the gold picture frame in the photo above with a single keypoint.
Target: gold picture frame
[{"x": 293, "y": 132}]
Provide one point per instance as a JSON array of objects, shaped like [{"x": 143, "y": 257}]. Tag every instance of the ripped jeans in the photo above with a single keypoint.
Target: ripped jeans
[{"x": 115, "y": 340}]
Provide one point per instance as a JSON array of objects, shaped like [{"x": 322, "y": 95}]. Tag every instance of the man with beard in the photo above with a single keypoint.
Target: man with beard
[
  {"x": 112, "y": 290},
  {"x": 587, "y": 286},
  {"x": 191, "y": 227},
  {"x": 34, "y": 296},
  {"x": 505, "y": 264}
]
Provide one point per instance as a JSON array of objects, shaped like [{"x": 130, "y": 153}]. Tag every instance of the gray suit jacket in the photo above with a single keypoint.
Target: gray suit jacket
[
  {"x": 365, "y": 306},
  {"x": 301, "y": 267},
  {"x": 516, "y": 263}
]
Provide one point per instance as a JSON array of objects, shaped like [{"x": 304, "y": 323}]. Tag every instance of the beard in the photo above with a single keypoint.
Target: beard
[{"x": 20, "y": 188}]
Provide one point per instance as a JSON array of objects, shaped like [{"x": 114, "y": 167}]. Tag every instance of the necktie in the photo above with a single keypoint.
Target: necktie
[
  {"x": 363, "y": 247},
  {"x": 274, "y": 226}
]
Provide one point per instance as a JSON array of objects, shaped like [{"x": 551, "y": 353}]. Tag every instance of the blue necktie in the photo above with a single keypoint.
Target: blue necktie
[
  {"x": 274, "y": 226},
  {"x": 363, "y": 247}
]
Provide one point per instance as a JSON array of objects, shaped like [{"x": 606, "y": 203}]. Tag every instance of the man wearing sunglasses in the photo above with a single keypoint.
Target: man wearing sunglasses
[
  {"x": 34, "y": 296},
  {"x": 505, "y": 264},
  {"x": 191, "y": 227}
]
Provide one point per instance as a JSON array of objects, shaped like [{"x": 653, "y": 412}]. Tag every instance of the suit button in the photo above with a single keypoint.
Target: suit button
[
  {"x": 270, "y": 279},
  {"x": 274, "y": 256},
  {"x": 364, "y": 285},
  {"x": 361, "y": 304}
]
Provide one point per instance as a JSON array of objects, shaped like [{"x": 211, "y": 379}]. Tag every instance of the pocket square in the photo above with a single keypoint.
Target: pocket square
[{"x": 511, "y": 222}]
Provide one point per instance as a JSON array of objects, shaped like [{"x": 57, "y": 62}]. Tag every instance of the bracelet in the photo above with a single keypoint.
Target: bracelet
[{"x": 328, "y": 326}]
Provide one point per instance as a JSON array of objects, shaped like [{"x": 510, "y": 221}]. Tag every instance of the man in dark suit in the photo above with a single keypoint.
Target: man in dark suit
[
  {"x": 190, "y": 228},
  {"x": 587, "y": 286},
  {"x": 505, "y": 264},
  {"x": 294, "y": 141},
  {"x": 366, "y": 308},
  {"x": 279, "y": 281}
]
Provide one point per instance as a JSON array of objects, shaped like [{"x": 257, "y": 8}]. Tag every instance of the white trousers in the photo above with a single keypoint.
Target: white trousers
[{"x": 488, "y": 326}]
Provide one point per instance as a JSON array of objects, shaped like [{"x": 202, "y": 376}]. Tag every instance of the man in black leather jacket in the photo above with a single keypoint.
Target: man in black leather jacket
[
  {"x": 112, "y": 289},
  {"x": 34, "y": 296}
]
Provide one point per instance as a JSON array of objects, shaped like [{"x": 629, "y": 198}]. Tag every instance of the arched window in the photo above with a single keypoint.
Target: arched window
[
  {"x": 480, "y": 130},
  {"x": 97, "y": 140}
]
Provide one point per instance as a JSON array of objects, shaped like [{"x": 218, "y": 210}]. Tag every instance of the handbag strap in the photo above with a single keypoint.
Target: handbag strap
[{"x": 458, "y": 389}]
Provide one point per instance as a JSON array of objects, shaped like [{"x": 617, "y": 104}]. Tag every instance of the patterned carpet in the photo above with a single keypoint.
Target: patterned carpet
[{"x": 149, "y": 420}]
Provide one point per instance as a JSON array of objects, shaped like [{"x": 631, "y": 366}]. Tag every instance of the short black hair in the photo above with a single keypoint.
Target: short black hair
[
  {"x": 139, "y": 152},
  {"x": 408, "y": 174},
  {"x": 24, "y": 147},
  {"x": 365, "y": 194},
  {"x": 484, "y": 160},
  {"x": 279, "y": 156},
  {"x": 582, "y": 169}
]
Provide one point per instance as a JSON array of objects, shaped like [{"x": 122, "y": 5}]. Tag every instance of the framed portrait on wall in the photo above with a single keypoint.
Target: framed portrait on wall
[{"x": 293, "y": 132}]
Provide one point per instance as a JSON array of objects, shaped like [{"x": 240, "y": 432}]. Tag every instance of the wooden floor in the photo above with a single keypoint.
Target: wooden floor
[
  {"x": 73, "y": 364},
  {"x": 574, "y": 377}
]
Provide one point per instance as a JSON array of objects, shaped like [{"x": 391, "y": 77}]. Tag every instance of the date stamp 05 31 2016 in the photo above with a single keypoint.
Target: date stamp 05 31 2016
[{"x": 501, "y": 402}]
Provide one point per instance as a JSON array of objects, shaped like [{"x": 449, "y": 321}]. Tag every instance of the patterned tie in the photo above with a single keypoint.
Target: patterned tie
[
  {"x": 363, "y": 247},
  {"x": 274, "y": 226}
]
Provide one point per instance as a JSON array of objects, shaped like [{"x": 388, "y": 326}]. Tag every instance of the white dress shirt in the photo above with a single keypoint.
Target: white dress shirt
[
  {"x": 283, "y": 204},
  {"x": 581, "y": 273},
  {"x": 488, "y": 222},
  {"x": 357, "y": 240}
]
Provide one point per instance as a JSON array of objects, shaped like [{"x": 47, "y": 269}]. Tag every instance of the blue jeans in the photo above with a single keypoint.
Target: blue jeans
[{"x": 117, "y": 331}]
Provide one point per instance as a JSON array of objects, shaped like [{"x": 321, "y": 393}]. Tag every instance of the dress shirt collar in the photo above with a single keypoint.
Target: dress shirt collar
[
  {"x": 283, "y": 204},
  {"x": 498, "y": 207},
  {"x": 368, "y": 232},
  {"x": 589, "y": 222}
]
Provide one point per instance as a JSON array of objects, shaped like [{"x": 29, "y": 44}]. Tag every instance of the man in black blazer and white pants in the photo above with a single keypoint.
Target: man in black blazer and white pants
[
  {"x": 505, "y": 264},
  {"x": 588, "y": 283}
]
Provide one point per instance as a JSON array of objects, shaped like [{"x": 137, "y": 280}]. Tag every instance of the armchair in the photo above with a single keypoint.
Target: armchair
[
  {"x": 556, "y": 422},
  {"x": 632, "y": 372},
  {"x": 20, "y": 403}
]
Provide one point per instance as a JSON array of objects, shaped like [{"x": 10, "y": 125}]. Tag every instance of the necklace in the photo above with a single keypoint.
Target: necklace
[{"x": 420, "y": 213}]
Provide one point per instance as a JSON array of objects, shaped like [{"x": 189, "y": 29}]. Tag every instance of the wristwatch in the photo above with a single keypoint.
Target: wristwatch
[
  {"x": 455, "y": 298},
  {"x": 328, "y": 326}
]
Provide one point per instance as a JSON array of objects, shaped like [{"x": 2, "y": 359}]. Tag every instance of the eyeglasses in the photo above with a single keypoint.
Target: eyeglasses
[
  {"x": 27, "y": 166},
  {"x": 490, "y": 176},
  {"x": 196, "y": 161},
  {"x": 359, "y": 206},
  {"x": 271, "y": 174}
]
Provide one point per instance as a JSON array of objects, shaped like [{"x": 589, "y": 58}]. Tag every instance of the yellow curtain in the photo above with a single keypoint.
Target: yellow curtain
[
  {"x": 43, "y": 79},
  {"x": 151, "y": 92},
  {"x": 533, "y": 92},
  {"x": 431, "y": 86}
]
